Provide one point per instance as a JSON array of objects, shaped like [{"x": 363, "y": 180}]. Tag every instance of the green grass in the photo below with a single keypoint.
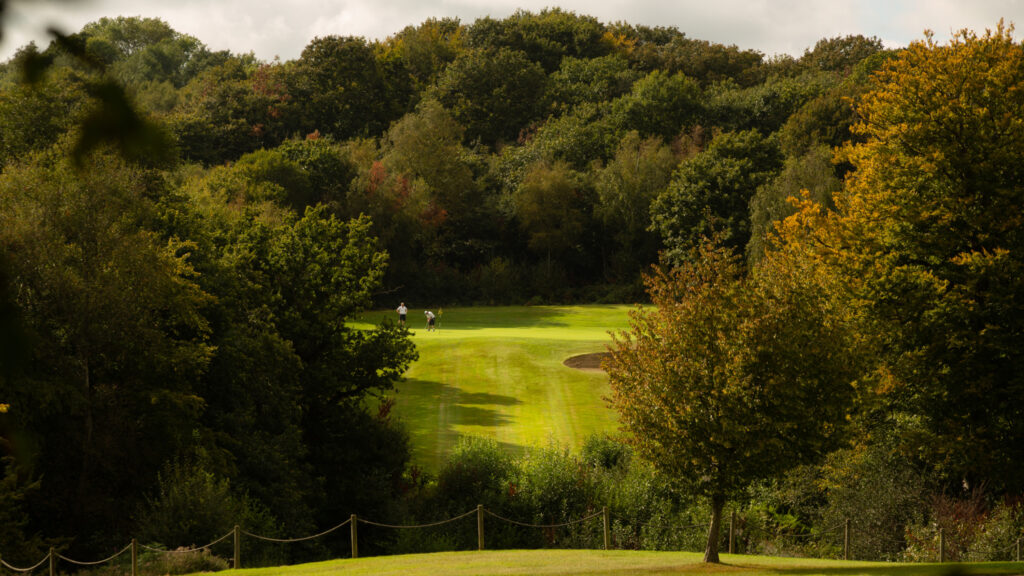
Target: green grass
[
  {"x": 613, "y": 563},
  {"x": 497, "y": 372}
]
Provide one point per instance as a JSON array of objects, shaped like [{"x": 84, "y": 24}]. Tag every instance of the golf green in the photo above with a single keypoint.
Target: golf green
[{"x": 498, "y": 372}]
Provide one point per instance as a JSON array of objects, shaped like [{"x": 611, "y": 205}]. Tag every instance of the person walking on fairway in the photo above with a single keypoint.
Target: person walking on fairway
[
  {"x": 430, "y": 319},
  {"x": 402, "y": 311}
]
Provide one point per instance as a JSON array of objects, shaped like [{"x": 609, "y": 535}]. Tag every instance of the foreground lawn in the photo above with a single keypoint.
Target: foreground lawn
[
  {"x": 612, "y": 563},
  {"x": 497, "y": 372}
]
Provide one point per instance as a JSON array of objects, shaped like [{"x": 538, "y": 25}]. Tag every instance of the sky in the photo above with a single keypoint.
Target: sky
[{"x": 283, "y": 28}]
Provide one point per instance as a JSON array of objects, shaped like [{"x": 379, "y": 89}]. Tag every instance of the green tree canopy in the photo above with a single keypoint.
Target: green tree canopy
[
  {"x": 341, "y": 89},
  {"x": 550, "y": 205},
  {"x": 841, "y": 53},
  {"x": 710, "y": 193},
  {"x": 660, "y": 104},
  {"x": 812, "y": 172},
  {"x": 428, "y": 48},
  {"x": 545, "y": 37},
  {"x": 493, "y": 93},
  {"x": 594, "y": 80},
  {"x": 626, "y": 187},
  {"x": 116, "y": 332}
]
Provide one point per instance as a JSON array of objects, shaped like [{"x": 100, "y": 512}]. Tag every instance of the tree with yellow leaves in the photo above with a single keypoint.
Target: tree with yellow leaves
[{"x": 927, "y": 239}]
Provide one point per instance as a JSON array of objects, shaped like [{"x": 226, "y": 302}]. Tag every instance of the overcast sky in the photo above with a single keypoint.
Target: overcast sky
[{"x": 284, "y": 27}]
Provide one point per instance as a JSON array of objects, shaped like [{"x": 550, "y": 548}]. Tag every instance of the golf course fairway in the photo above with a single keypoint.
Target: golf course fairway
[{"x": 498, "y": 372}]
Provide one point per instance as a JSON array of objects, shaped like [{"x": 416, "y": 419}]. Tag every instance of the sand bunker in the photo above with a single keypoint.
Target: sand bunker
[{"x": 586, "y": 362}]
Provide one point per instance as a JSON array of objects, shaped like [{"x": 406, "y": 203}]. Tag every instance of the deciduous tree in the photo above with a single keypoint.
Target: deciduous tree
[
  {"x": 710, "y": 193},
  {"x": 340, "y": 88},
  {"x": 551, "y": 206},
  {"x": 731, "y": 378},
  {"x": 116, "y": 338},
  {"x": 640, "y": 170},
  {"x": 493, "y": 92},
  {"x": 928, "y": 232},
  {"x": 660, "y": 104}
]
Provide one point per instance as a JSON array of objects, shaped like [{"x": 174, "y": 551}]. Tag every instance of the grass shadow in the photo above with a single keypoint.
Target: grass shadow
[{"x": 450, "y": 407}]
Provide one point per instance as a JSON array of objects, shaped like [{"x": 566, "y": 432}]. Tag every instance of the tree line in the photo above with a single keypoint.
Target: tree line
[{"x": 532, "y": 158}]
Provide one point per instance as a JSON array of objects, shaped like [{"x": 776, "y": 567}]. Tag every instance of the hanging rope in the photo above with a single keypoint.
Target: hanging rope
[
  {"x": 570, "y": 523},
  {"x": 471, "y": 512},
  {"x": 663, "y": 525},
  {"x": 1009, "y": 550},
  {"x": 289, "y": 540},
  {"x": 875, "y": 538},
  {"x": 189, "y": 550},
  {"x": 16, "y": 569},
  {"x": 98, "y": 562},
  {"x": 809, "y": 534}
]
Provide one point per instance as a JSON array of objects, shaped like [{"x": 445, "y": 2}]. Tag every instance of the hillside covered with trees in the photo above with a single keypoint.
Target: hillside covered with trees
[
  {"x": 184, "y": 234},
  {"x": 500, "y": 161}
]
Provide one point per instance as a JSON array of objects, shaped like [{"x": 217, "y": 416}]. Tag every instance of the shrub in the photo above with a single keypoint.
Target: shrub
[
  {"x": 555, "y": 488},
  {"x": 958, "y": 519},
  {"x": 881, "y": 493},
  {"x": 193, "y": 507},
  {"x": 999, "y": 534},
  {"x": 161, "y": 563},
  {"x": 478, "y": 471},
  {"x": 181, "y": 562},
  {"x": 604, "y": 452},
  {"x": 644, "y": 509}
]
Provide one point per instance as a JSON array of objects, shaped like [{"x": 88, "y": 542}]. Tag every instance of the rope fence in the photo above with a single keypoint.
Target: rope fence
[
  {"x": 846, "y": 529},
  {"x": 664, "y": 525},
  {"x": 528, "y": 525},
  {"x": 188, "y": 550},
  {"x": 16, "y": 569},
  {"x": 97, "y": 562},
  {"x": 430, "y": 525},
  {"x": 292, "y": 540}
]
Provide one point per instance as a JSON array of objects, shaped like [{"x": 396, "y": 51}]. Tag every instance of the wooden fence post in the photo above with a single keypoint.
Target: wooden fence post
[
  {"x": 53, "y": 563},
  {"x": 353, "y": 528},
  {"x": 607, "y": 538},
  {"x": 135, "y": 557},
  {"x": 238, "y": 550},
  {"x": 942, "y": 546},
  {"x": 732, "y": 522},
  {"x": 846, "y": 539},
  {"x": 479, "y": 526},
  {"x": 1018, "y": 549}
]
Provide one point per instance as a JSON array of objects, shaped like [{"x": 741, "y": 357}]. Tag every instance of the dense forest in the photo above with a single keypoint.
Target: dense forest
[
  {"x": 184, "y": 233},
  {"x": 502, "y": 161}
]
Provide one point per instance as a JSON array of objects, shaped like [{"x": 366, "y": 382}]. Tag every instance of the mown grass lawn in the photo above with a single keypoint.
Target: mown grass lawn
[
  {"x": 497, "y": 372},
  {"x": 613, "y": 563}
]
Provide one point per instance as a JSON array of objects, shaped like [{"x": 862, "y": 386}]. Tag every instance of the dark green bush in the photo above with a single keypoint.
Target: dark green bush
[{"x": 193, "y": 507}]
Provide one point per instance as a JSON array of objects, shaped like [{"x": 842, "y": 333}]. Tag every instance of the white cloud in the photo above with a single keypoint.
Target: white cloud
[{"x": 285, "y": 28}]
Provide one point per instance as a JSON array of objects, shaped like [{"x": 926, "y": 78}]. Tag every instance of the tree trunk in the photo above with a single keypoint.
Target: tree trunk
[
  {"x": 87, "y": 443},
  {"x": 711, "y": 551}
]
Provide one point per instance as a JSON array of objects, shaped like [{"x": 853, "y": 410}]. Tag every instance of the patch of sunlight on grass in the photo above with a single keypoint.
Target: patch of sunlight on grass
[{"x": 498, "y": 372}]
